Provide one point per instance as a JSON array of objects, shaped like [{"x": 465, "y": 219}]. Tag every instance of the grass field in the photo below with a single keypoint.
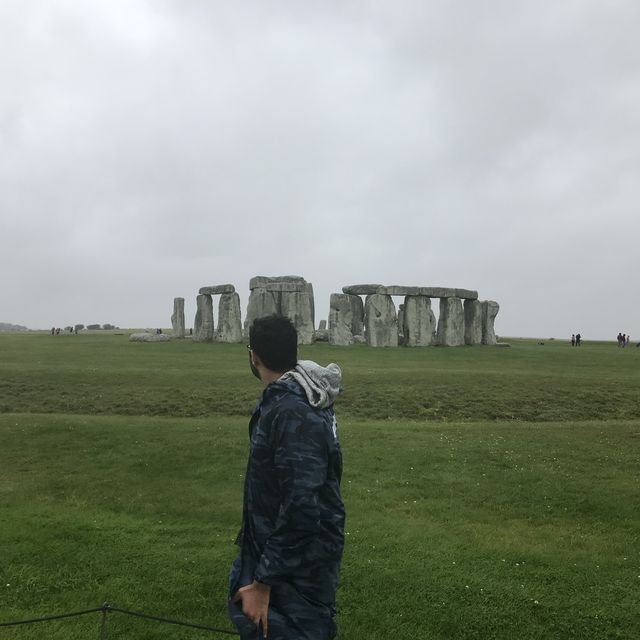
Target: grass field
[{"x": 490, "y": 493}]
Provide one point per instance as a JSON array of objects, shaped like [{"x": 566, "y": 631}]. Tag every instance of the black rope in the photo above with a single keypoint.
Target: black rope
[
  {"x": 181, "y": 623},
  {"x": 56, "y": 617},
  {"x": 107, "y": 608}
]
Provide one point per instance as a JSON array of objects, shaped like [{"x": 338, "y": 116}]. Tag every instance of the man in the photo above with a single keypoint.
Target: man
[{"x": 282, "y": 585}]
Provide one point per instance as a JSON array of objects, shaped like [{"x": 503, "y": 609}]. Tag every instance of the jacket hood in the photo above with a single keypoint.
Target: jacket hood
[{"x": 321, "y": 384}]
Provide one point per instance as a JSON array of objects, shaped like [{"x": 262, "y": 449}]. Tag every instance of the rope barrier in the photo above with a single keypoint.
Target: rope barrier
[
  {"x": 181, "y": 623},
  {"x": 107, "y": 608},
  {"x": 54, "y": 617}
]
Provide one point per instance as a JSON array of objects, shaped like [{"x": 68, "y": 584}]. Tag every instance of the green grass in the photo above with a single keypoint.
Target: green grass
[{"x": 491, "y": 493}]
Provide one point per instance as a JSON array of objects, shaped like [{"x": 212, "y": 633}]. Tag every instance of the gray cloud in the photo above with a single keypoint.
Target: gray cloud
[{"x": 150, "y": 148}]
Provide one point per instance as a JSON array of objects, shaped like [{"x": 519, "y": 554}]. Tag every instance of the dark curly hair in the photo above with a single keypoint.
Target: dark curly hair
[{"x": 275, "y": 341}]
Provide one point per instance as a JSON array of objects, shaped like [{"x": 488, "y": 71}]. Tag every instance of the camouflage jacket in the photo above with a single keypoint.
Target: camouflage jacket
[{"x": 293, "y": 517}]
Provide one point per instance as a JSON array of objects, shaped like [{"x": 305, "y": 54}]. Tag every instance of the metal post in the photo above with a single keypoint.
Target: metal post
[{"x": 103, "y": 623}]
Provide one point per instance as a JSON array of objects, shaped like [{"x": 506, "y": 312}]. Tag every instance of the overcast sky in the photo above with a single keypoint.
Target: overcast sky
[{"x": 151, "y": 148}]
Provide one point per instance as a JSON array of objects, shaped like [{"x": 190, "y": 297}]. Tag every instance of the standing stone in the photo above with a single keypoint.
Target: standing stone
[
  {"x": 261, "y": 303},
  {"x": 451, "y": 323},
  {"x": 490, "y": 310},
  {"x": 472, "y": 322},
  {"x": 380, "y": 321},
  {"x": 401, "y": 324},
  {"x": 298, "y": 306},
  {"x": 323, "y": 325},
  {"x": 229, "y": 322},
  {"x": 357, "y": 316},
  {"x": 177, "y": 317},
  {"x": 419, "y": 321},
  {"x": 289, "y": 296},
  {"x": 203, "y": 324},
  {"x": 340, "y": 319}
]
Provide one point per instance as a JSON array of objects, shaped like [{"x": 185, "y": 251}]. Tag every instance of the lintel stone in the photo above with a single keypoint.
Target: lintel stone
[
  {"x": 361, "y": 289},
  {"x": 261, "y": 282},
  {"x": 286, "y": 287},
  {"x": 217, "y": 289}
]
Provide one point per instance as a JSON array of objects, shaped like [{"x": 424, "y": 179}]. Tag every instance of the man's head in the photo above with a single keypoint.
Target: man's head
[{"x": 273, "y": 344}]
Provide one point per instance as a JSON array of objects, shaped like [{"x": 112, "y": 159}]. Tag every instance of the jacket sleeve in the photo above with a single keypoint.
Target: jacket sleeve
[{"x": 300, "y": 465}]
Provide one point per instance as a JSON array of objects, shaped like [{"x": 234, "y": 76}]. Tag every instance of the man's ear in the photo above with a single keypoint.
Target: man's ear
[{"x": 255, "y": 359}]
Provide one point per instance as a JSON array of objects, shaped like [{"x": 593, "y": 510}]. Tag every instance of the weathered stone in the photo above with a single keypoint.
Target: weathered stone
[
  {"x": 149, "y": 337},
  {"x": 357, "y": 315},
  {"x": 466, "y": 294},
  {"x": 359, "y": 339},
  {"x": 203, "y": 324},
  {"x": 321, "y": 335},
  {"x": 177, "y": 317},
  {"x": 472, "y": 322},
  {"x": 323, "y": 325},
  {"x": 261, "y": 303},
  {"x": 217, "y": 289},
  {"x": 299, "y": 308},
  {"x": 401, "y": 324},
  {"x": 286, "y": 287},
  {"x": 419, "y": 321},
  {"x": 340, "y": 319},
  {"x": 490, "y": 310},
  {"x": 429, "y": 292},
  {"x": 397, "y": 290},
  {"x": 229, "y": 321},
  {"x": 289, "y": 296},
  {"x": 260, "y": 282},
  {"x": 361, "y": 289},
  {"x": 380, "y": 321},
  {"x": 450, "y": 323}
]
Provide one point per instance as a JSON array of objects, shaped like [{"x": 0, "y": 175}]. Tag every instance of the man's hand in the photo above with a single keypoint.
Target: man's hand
[{"x": 255, "y": 603}]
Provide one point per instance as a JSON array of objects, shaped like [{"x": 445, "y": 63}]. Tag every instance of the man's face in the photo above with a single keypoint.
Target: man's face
[{"x": 254, "y": 370}]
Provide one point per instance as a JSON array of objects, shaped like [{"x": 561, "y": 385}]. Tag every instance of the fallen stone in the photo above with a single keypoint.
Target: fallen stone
[
  {"x": 203, "y": 324},
  {"x": 359, "y": 339},
  {"x": 380, "y": 321},
  {"x": 490, "y": 310},
  {"x": 361, "y": 289},
  {"x": 450, "y": 331},
  {"x": 321, "y": 335},
  {"x": 419, "y": 321},
  {"x": 149, "y": 337},
  {"x": 472, "y": 322},
  {"x": 229, "y": 321},
  {"x": 217, "y": 289},
  {"x": 177, "y": 318}
]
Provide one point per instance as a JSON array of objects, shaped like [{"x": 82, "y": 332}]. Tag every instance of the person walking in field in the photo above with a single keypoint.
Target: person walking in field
[
  {"x": 282, "y": 584},
  {"x": 578, "y": 339},
  {"x": 573, "y": 339}
]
